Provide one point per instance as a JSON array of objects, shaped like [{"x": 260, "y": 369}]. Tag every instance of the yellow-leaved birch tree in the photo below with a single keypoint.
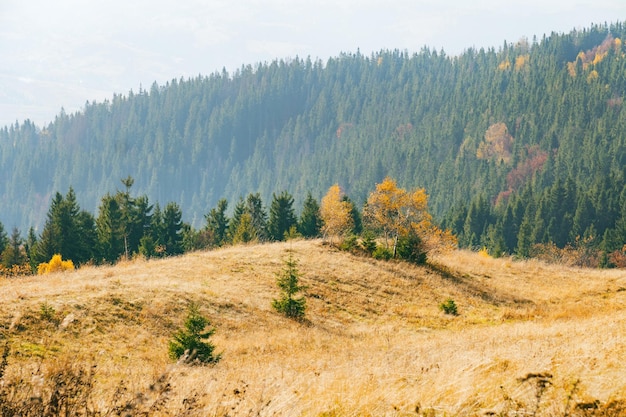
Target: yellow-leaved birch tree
[
  {"x": 395, "y": 212},
  {"x": 335, "y": 213}
]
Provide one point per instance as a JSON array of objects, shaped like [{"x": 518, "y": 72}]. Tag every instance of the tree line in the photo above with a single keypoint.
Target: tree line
[{"x": 127, "y": 226}]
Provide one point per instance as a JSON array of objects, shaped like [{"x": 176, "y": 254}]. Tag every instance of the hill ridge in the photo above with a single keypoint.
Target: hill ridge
[{"x": 376, "y": 341}]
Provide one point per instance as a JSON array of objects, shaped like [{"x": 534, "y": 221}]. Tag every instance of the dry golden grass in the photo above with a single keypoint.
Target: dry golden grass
[{"x": 375, "y": 342}]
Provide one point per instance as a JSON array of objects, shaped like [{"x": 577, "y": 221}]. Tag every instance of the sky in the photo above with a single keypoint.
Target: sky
[{"x": 60, "y": 54}]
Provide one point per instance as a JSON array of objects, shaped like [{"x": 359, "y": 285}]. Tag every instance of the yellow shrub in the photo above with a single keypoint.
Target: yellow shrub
[
  {"x": 16, "y": 270},
  {"x": 56, "y": 264}
]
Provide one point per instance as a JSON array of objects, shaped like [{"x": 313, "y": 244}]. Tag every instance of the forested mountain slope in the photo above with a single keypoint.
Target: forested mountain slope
[{"x": 534, "y": 129}]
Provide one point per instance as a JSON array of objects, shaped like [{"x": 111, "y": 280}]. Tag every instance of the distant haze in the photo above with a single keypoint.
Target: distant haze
[{"x": 63, "y": 53}]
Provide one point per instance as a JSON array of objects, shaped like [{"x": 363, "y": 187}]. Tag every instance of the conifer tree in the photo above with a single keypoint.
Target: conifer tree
[
  {"x": 233, "y": 225},
  {"x": 68, "y": 231},
  {"x": 87, "y": 237},
  {"x": 50, "y": 241},
  {"x": 245, "y": 230},
  {"x": 139, "y": 221},
  {"x": 4, "y": 240},
  {"x": 524, "y": 239},
  {"x": 172, "y": 236},
  {"x": 289, "y": 303},
  {"x": 30, "y": 246},
  {"x": 156, "y": 225},
  {"x": 110, "y": 230},
  {"x": 14, "y": 253},
  {"x": 217, "y": 223},
  {"x": 192, "y": 340},
  {"x": 478, "y": 218},
  {"x": 282, "y": 216},
  {"x": 258, "y": 216},
  {"x": 310, "y": 223},
  {"x": 136, "y": 216}
]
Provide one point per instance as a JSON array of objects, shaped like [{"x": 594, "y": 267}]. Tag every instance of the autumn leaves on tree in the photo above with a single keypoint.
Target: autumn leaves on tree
[
  {"x": 398, "y": 216},
  {"x": 335, "y": 212},
  {"x": 395, "y": 212}
]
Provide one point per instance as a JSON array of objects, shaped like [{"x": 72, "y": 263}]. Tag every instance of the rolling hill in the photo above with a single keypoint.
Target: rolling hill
[{"x": 529, "y": 337}]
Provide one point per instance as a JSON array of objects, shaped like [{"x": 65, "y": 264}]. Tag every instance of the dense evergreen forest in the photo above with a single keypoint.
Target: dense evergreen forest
[{"x": 515, "y": 146}]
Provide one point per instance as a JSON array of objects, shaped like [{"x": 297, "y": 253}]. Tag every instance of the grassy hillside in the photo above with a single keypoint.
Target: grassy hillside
[{"x": 375, "y": 342}]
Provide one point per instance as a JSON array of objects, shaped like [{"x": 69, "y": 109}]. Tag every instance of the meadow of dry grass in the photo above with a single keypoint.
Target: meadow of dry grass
[{"x": 529, "y": 337}]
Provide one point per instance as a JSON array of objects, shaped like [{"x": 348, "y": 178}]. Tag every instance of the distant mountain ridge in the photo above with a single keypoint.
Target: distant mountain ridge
[{"x": 488, "y": 124}]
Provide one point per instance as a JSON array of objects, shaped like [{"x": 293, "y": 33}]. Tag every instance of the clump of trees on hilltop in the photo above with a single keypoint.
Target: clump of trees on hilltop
[{"x": 128, "y": 226}]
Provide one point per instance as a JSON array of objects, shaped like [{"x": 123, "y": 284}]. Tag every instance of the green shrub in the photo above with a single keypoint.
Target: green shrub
[
  {"x": 382, "y": 253},
  {"x": 349, "y": 244},
  {"x": 191, "y": 342},
  {"x": 411, "y": 248},
  {"x": 47, "y": 312},
  {"x": 368, "y": 243},
  {"x": 287, "y": 280},
  {"x": 449, "y": 307}
]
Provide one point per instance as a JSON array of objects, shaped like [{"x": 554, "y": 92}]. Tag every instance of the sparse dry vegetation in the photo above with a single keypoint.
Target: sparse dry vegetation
[{"x": 530, "y": 338}]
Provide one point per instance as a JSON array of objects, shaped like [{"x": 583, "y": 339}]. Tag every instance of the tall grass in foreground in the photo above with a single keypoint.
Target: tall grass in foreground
[{"x": 529, "y": 338}]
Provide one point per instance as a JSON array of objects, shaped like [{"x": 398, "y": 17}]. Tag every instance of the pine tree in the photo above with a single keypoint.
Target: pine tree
[
  {"x": 14, "y": 253},
  {"x": 30, "y": 246},
  {"x": 136, "y": 216},
  {"x": 524, "y": 238},
  {"x": 68, "y": 231},
  {"x": 87, "y": 237},
  {"x": 157, "y": 229},
  {"x": 310, "y": 223},
  {"x": 245, "y": 232},
  {"x": 50, "y": 240},
  {"x": 217, "y": 223},
  {"x": 478, "y": 218},
  {"x": 258, "y": 216},
  {"x": 110, "y": 228},
  {"x": 289, "y": 303},
  {"x": 4, "y": 240},
  {"x": 282, "y": 216},
  {"x": 233, "y": 226},
  {"x": 139, "y": 222},
  {"x": 172, "y": 236},
  {"x": 191, "y": 342}
]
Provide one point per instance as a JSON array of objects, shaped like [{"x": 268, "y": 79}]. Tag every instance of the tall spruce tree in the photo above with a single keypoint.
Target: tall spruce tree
[
  {"x": 172, "y": 237},
  {"x": 50, "y": 240},
  {"x": 87, "y": 238},
  {"x": 282, "y": 216},
  {"x": 245, "y": 231},
  {"x": 238, "y": 212},
  {"x": 310, "y": 224},
  {"x": 258, "y": 215},
  {"x": 110, "y": 225},
  {"x": 67, "y": 231},
  {"x": 217, "y": 223},
  {"x": 14, "y": 253},
  {"x": 4, "y": 240}
]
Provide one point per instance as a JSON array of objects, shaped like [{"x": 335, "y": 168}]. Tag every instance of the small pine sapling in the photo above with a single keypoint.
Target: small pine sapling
[
  {"x": 449, "y": 307},
  {"x": 287, "y": 280},
  {"x": 191, "y": 342}
]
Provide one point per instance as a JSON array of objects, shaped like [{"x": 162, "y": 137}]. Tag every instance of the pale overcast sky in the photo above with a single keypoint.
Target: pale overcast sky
[{"x": 62, "y": 53}]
